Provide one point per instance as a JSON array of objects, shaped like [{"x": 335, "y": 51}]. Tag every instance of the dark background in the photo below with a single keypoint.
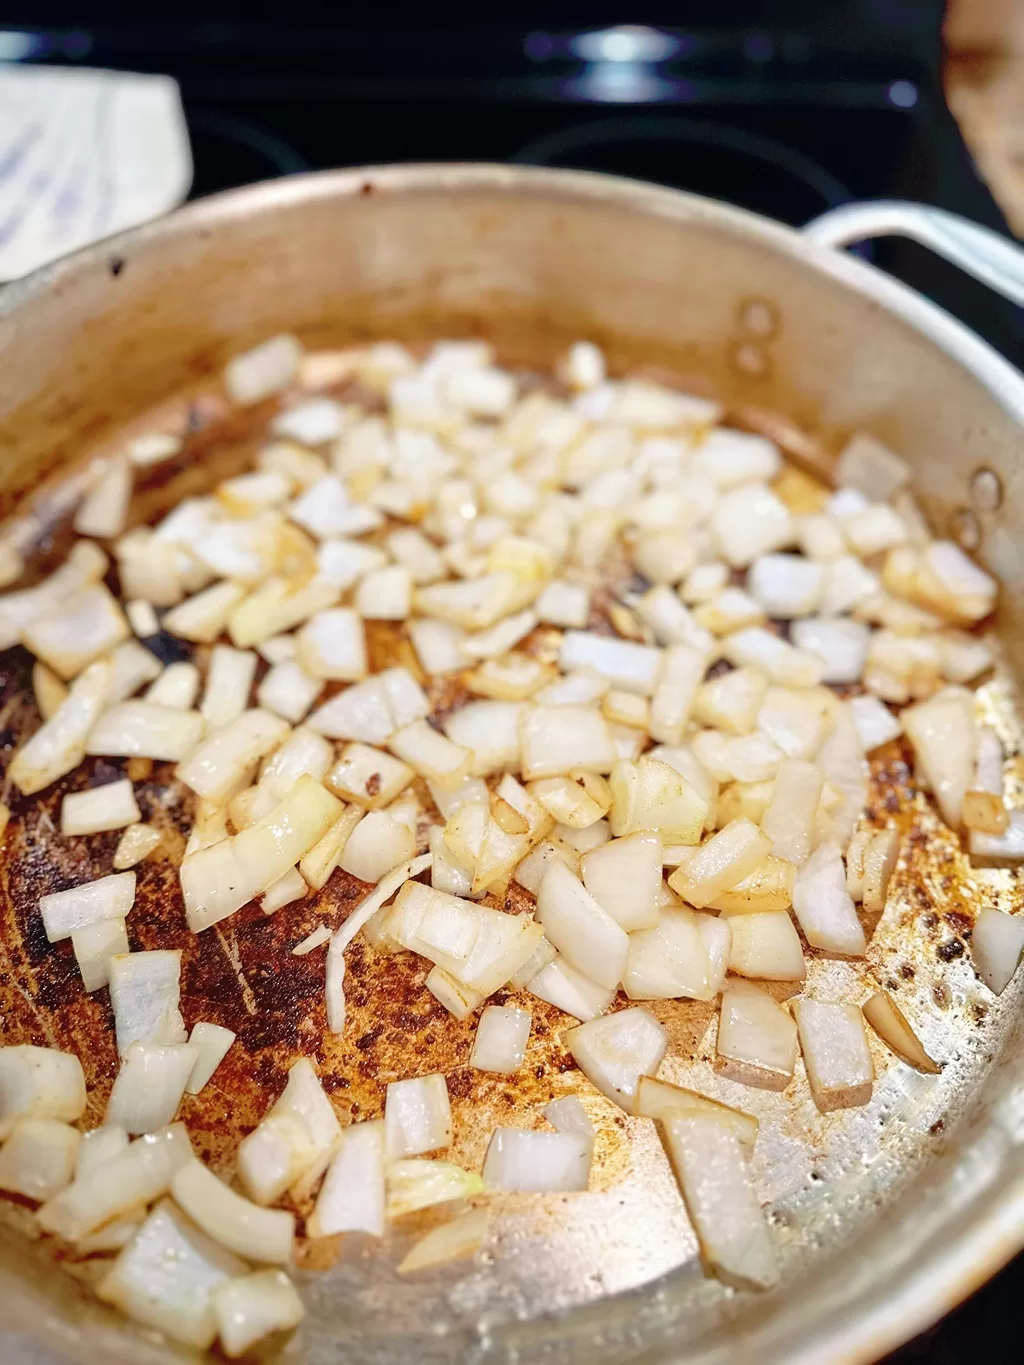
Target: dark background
[{"x": 786, "y": 108}]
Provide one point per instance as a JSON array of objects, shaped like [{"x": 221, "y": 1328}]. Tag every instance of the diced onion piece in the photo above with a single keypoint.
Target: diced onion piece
[
  {"x": 654, "y": 795},
  {"x": 579, "y": 928},
  {"x": 149, "y": 1086},
  {"x": 841, "y": 758},
  {"x": 985, "y": 812},
  {"x": 613, "y": 1052},
  {"x": 178, "y": 1303},
  {"x": 112, "y": 806},
  {"x": 878, "y": 862},
  {"x": 758, "y": 648},
  {"x": 561, "y": 985},
  {"x": 229, "y": 680},
  {"x": 768, "y": 887},
  {"x": 891, "y": 1025},
  {"x": 459, "y": 1000},
  {"x": 999, "y": 850},
  {"x": 233, "y": 1221},
  {"x": 142, "y": 729},
  {"x": 278, "y": 605},
  {"x": 513, "y": 678},
  {"x": 431, "y": 753},
  {"x": 789, "y": 820},
  {"x": 729, "y": 856},
  {"x": 996, "y": 943},
  {"x": 219, "y": 880},
  {"x": 334, "y": 986},
  {"x": 732, "y": 701},
  {"x": 555, "y": 739},
  {"x": 250, "y": 1307},
  {"x": 530, "y": 872},
  {"x": 875, "y": 723},
  {"x": 263, "y": 370},
  {"x": 676, "y": 691},
  {"x": 49, "y": 690},
  {"x": 291, "y": 887},
  {"x": 177, "y": 686},
  {"x": 731, "y": 610},
  {"x": 111, "y": 1236},
  {"x": 766, "y": 946},
  {"x": 626, "y": 708},
  {"x": 490, "y": 730},
  {"x": 38, "y": 1158},
  {"x": 204, "y": 616},
  {"x": 220, "y": 766},
  {"x": 624, "y": 877},
  {"x": 748, "y": 522},
  {"x": 97, "y": 1146},
  {"x": 573, "y": 689},
  {"x": 352, "y": 1197},
  {"x": 144, "y": 994},
  {"x": 583, "y": 840},
  {"x": 385, "y": 594},
  {"x": 452, "y": 1241},
  {"x": 417, "y": 1117},
  {"x": 848, "y": 584},
  {"x": 951, "y": 583},
  {"x": 711, "y": 1169},
  {"x": 717, "y": 938},
  {"x": 943, "y": 734},
  {"x": 320, "y": 935},
  {"x": 518, "y": 1159},
  {"x": 332, "y": 645},
  {"x": 475, "y": 603},
  {"x": 756, "y": 1038},
  {"x": 786, "y": 585},
  {"x": 633, "y": 667},
  {"x": 841, "y": 644},
  {"x": 107, "y": 898},
  {"x": 370, "y": 778},
  {"x": 366, "y": 909},
  {"x": 312, "y": 423},
  {"x": 375, "y": 846},
  {"x": 500, "y": 1042},
  {"x": 133, "y": 666},
  {"x": 569, "y": 1116},
  {"x": 872, "y": 468},
  {"x": 669, "y": 961},
  {"x": 95, "y": 948},
  {"x": 276, "y": 1154},
  {"x": 823, "y": 905},
  {"x": 142, "y": 618},
  {"x": 58, "y": 746},
  {"x": 418, "y": 1183},
  {"x": 572, "y": 802},
  {"x": 78, "y": 631},
  {"x": 836, "y": 1053},
  {"x": 438, "y": 646},
  {"x": 360, "y": 712},
  {"x": 277, "y": 649},
  {"x": 85, "y": 564},
  {"x": 118, "y": 1185},
  {"x": 316, "y": 866},
  {"x": 660, "y": 1100},
  {"x": 564, "y": 604},
  {"x": 211, "y": 1042},
  {"x": 964, "y": 657}
]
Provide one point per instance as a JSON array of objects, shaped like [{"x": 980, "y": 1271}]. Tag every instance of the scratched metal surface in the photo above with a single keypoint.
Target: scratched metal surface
[{"x": 826, "y": 1177}]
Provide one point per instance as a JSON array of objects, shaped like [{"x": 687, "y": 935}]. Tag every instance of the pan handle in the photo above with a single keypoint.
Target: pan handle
[{"x": 976, "y": 250}]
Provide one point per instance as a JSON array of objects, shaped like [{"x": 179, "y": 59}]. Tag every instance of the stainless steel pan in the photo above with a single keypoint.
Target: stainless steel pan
[{"x": 889, "y": 1214}]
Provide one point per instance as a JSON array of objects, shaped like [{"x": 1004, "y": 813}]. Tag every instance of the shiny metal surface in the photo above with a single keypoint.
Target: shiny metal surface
[{"x": 889, "y": 1214}]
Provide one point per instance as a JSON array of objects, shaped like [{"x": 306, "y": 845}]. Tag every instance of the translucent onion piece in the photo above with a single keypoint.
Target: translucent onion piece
[
  {"x": 366, "y": 909},
  {"x": 766, "y": 946},
  {"x": 417, "y": 1116},
  {"x": 352, "y": 1197},
  {"x": 149, "y": 1086},
  {"x": 95, "y": 948},
  {"x": 633, "y": 667},
  {"x": 624, "y": 877},
  {"x": 277, "y": 1153},
  {"x": 39, "y": 1082},
  {"x": 334, "y": 986},
  {"x": 177, "y": 686},
  {"x": 452, "y": 1241},
  {"x": 58, "y": 746},
  {"x": 668, "y": 961},
  {"x": 583, "y": 932},
  {"x": 211, "y": 1042},
  {"x": 252, "y": 1306},
  {"x": 518, "y": 1159},
  {"x": 711, "y": 1168},
  {"x": 996, "y": 943},
  {"x": 144, "y": 993},
  {"x": 756, "y": 1038},
  {"x": 836, "y": 1053},
  {"x": 38, "y": 1158},
  {"x": 659, "y": 1100},
  {"x": 370, "y": 778},
  {"x": 613, "y": 1052},
  {"x": 143, "y": 729},
  {"x": 219, "y": 767},
  {"x": 233, "y": 1221},
  {"x": 97, "y": 1146},
  {"x": 729, "y": 856},
  {"x": 291, "y": 887},
  {"x": 569, "y": 1116},
  {"x": 78, "y": 631},
  {"x": 112, "y": 806},
  {"x": 944, "y": 736},
  {"x": 654, "y": 795},
  {"x": 107, "y": 898},
  {"x": 561, "y": 985},
  {"x": 203, "y": 616},
  {"x": 136, "y": 843},
  {"x": 501, "y": 1037},
  {"x": 891, "y": 1024},
  {"x": 823, "y": 906},
  {"x": 263, "y": 370}
]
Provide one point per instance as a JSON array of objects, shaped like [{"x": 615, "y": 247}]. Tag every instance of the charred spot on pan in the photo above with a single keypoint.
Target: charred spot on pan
[
  {"x": 115, "y": 265},
  {"x": 937, "y": 1127},
  {"x": 368, "y": 1039},
  {"x": 949, "y": 952}
]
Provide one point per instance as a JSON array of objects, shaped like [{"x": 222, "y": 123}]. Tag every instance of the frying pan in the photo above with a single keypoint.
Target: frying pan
[{"x": 888, "y": 1214}]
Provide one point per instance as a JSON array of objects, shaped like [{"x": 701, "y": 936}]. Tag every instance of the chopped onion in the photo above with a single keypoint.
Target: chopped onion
[
  {"x": 179, "y": 1304},
  {"x": 370, "y": 778},
  {"x": 555, "y": 739},
  {"x": 668, "y": 961},
  {"x": 39, "y": 1082},
  {"x": 177, "y": 687},
  {"x": 291, "y": 887},
  {"x": 142, "y": 618},
  {"x": 58, "y": 746},
  {"x": 133, "y": 666},
  {"x": 332, "y": 645},
  {"x": 119, "y": 1185},
  {"x": 95, "y": 946},
  {"x": 75, "y": 633},
  {"x": 952, "y": 584},
  {"x": 48, "y": 689},
  {"x": 768, "y": 887},
  {"x": 203, "y": 616},
  {"x": 276, "y": 1154},
  {"x": 633, "y": 667},
  {"x": 334, "y": 986},
  {"x": 375, "y": 846},
  {"x": 320, "y": 935},
  {"x": 518, "y": 1159},
  {"x": 878, "y": 862},
  {"x": 438, "y": 646},
  {"x": 149, "y": 1086},
  {"x": 717, "y": 939},
  {"x": 986, "y": 812},
  {"x": 875, "y": 723},
  {"x": 500, "y": 1042},
  {"x": 711, "y": 1169},
  {"x": 943, "y": 734},
  {"x": 729, "y": 856},
  {"x": 561, "y": 985},
  {"x": 366, "y": 909},
  {"x": 220, "y": 766},
  {"x": 614, "y": 1051},
  {"x": 143, "y": 729},
  {"x": 999, "y": 850},
  {"x": 766, "y": 946},
  {"x": 263, "y": 370},
  {"x": 564, "y": 604},
  {"x": 229, "y": 680},
  {"x": 316, "y": 866},
  {"x": 624, "y": 877},
  {"x": 420, "y": 1184},
  {"x": 211, "y": 1042},
  {"x": 996, "y": 942},
  {"x": 475, "y": 603},
  {"x": 730, "y": 611},
  {"x": 661, "y": 1101},
  {"x": 823, "y": 905},
  {"x": 789, "y": 820},
  {"x": 530, "y": 872},
  {"x": 459, "y": 1000},
  {"x": 872, "y": 468},
  {"x": 450, "y": 1242},
  {"x": 112, "y": 806},
  {"x": 97, "y": 1146},
  {"x": 417, "y": 1117},
  {"x": 836, "y": 1053},
  {"x": 490, "y": 730},
  {"x": 352, "y": 1197},
  {"x": 233, "y": 1221},
  {"x": 431, "y": 753},
  {"x": 573, "y": 689},
  {"x": 654, "y": 795},
  {"x": 219, "y": 880},
  {"x": 841, "y": 644},
  {"x": 38, "y": 1158},
  {"x": 569, "y": 1116},
  {"x": 276, "y": 606},
  {"x": 144, "y": 994},
  {"x": 250, "y": 1307},
  {"x": 756, "y": 1038},
  {"x": 107, "y": 898},
  {"x": 758, "y": 648},
  {"x": 890, "y": 1023},
  {"x": 579, "y": 928},
  {"x": 676, "y": 692}
]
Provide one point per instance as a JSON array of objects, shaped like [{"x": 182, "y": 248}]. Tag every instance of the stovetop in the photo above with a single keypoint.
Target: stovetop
[{"x": 822, "y": 105}]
